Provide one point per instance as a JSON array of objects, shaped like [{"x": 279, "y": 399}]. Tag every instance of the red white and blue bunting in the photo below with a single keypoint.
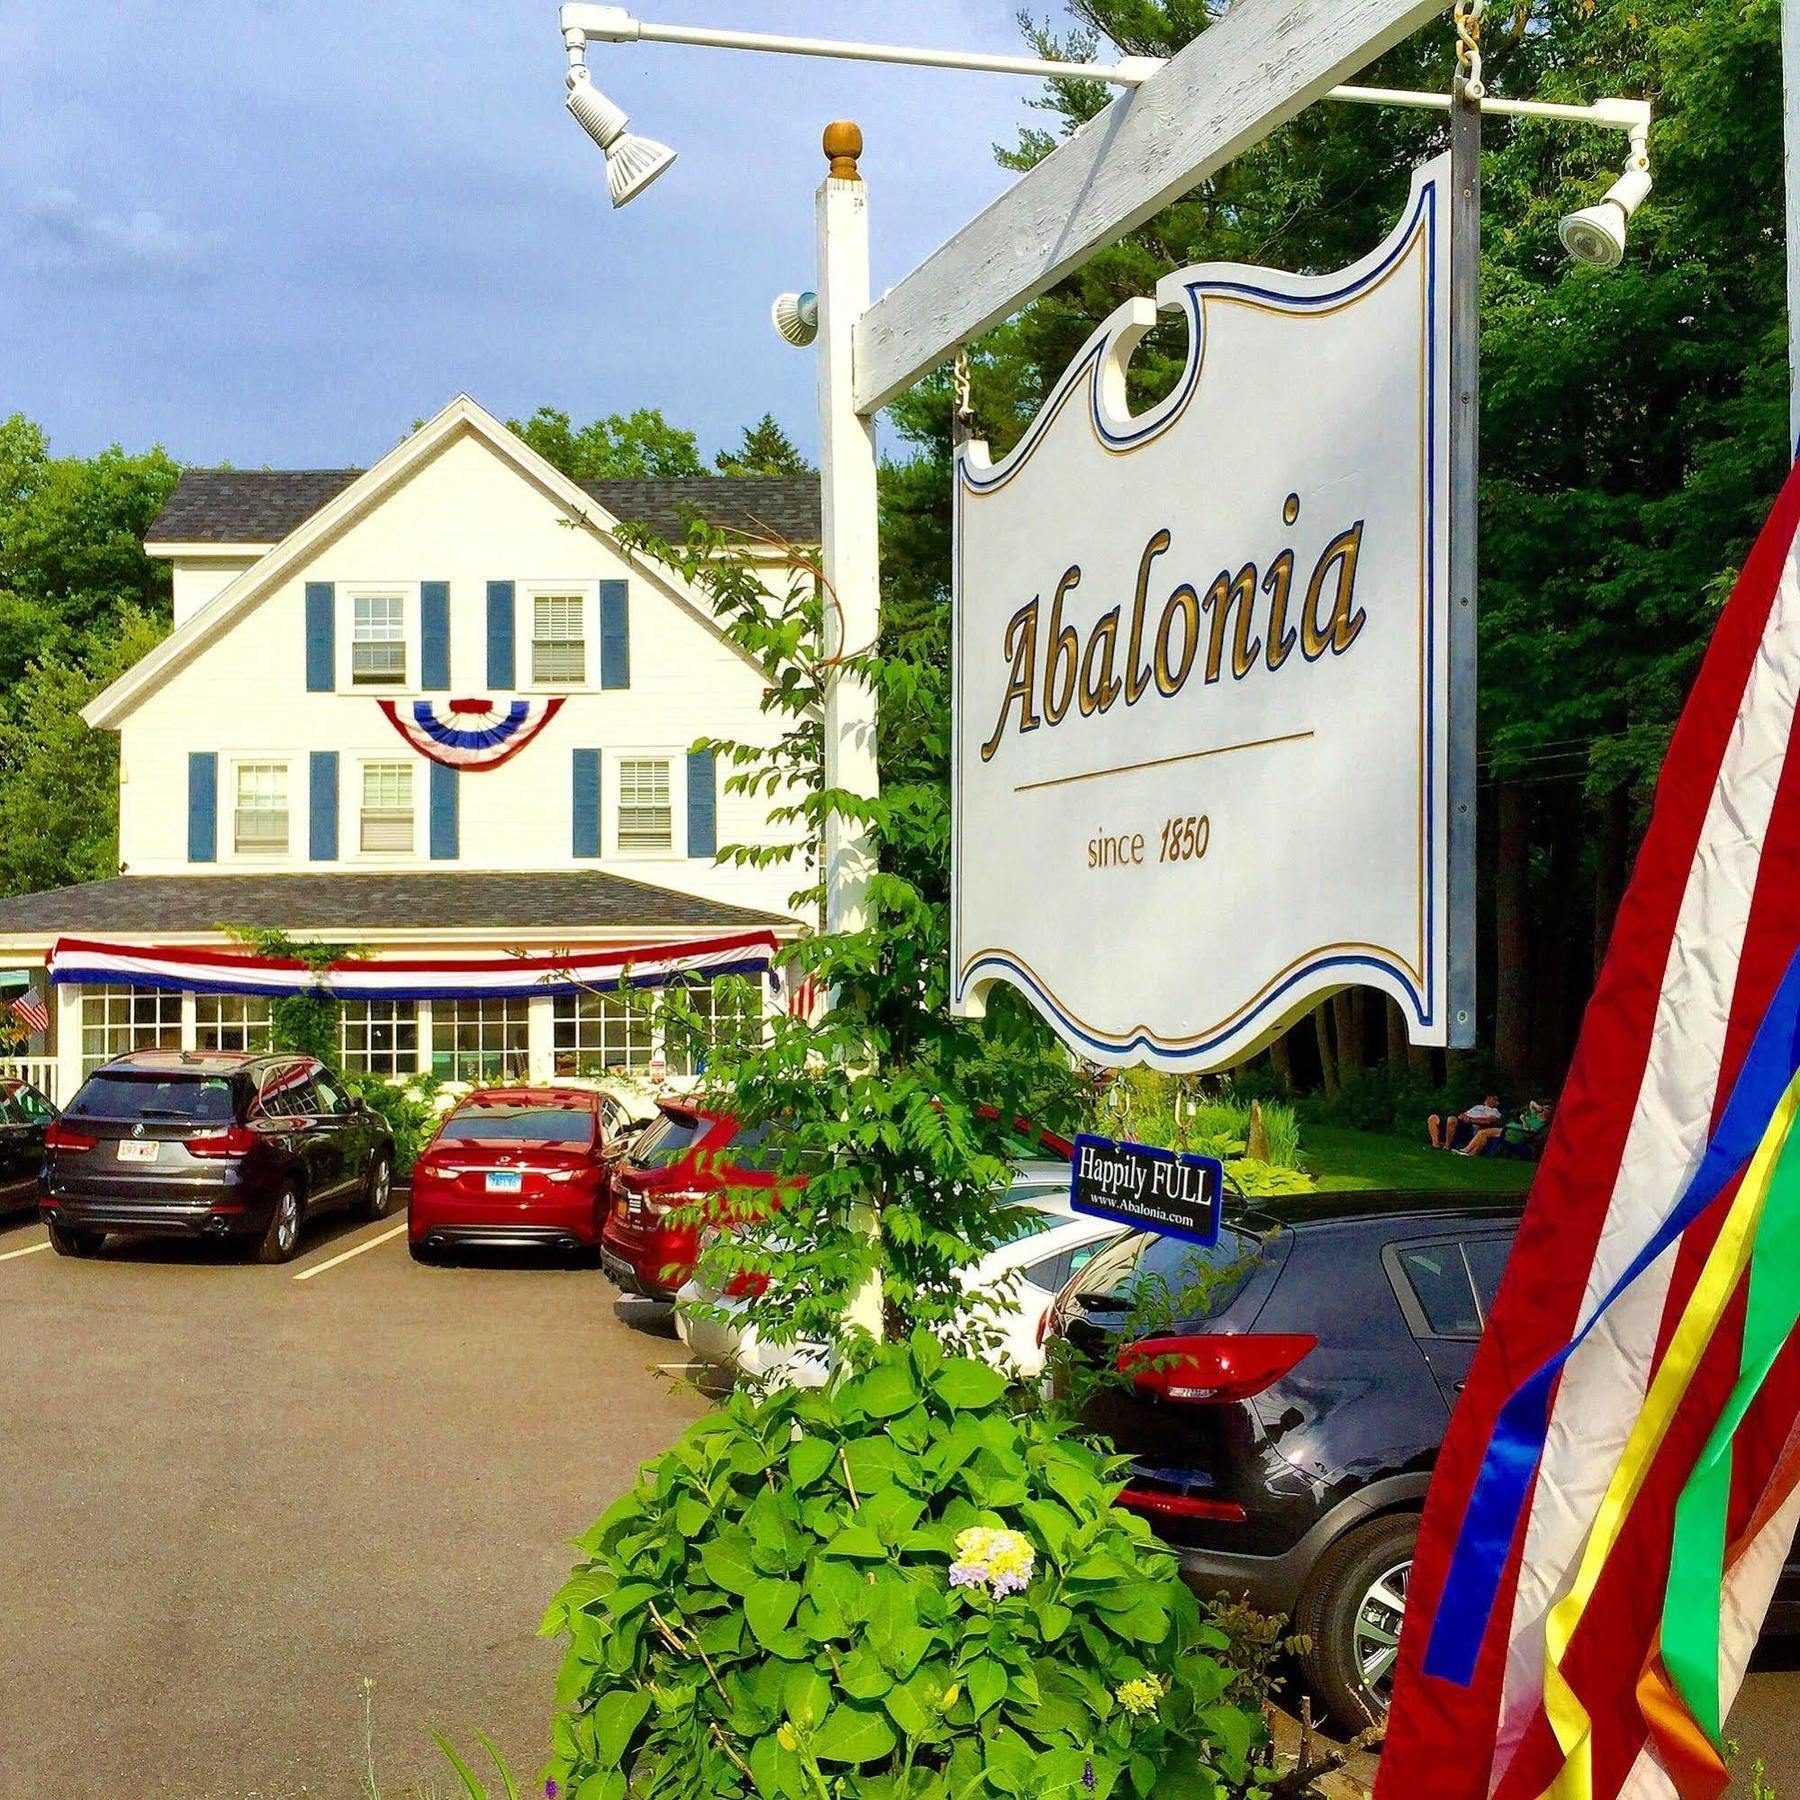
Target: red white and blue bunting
[
  {"x": 470, "y": 734},
  {"x": 87, "y": 961}
]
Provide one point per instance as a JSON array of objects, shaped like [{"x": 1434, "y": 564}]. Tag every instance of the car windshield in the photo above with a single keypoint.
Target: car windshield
[
  {"x": 503, "y": 1123},
  {"x": 113, "y": 1095},
  {"x": 670, "y": 1139}
]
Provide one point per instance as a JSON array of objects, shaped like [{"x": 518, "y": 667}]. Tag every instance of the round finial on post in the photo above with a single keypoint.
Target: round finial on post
[{"x": 843, "y": 145}]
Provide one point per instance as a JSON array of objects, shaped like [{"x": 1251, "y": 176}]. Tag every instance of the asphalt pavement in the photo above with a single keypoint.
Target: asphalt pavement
[{"x": 231, "y": 1494}]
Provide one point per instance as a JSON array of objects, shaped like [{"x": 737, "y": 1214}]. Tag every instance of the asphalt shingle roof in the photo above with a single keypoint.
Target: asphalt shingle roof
[
  {"x": 551, "y": 900},
  {"x": 261, "y": 506}
]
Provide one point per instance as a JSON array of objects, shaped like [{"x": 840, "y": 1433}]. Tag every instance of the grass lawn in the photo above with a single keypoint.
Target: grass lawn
[{"x": 1341, "y": 1158}]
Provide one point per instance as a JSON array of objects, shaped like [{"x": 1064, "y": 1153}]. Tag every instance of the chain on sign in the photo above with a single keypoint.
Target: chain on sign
[{"x": 1467, "y": 17}]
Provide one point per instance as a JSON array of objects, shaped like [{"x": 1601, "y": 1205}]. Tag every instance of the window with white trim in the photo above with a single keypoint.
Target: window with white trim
[
  {"x": 387, "y": 807},
  {"x": 479, "y": 1040},
  {"x": 378, "y": 638},
  {"x": 260, "y": 815},
  {"x": 596, "y": 1032},
  {"x": 232, "y": 1021},
  {"x": 727, "y": 1013},
  {"x": 558, "y": 649},
  {"x": 379, "y": 1037},
  {"x": 115, "y": 1019},
  {"x": 646, "y": 810}
]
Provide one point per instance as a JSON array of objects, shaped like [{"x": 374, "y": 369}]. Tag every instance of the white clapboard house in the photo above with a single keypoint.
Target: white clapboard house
[{"x": 434, "y": 709}]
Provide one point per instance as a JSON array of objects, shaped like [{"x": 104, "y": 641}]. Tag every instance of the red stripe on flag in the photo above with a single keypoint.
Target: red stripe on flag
[{"x": 1436, "y": 1727}]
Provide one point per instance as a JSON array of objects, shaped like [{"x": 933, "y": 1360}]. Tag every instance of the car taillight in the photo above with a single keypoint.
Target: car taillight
[
  {"x": 1199, "y": 1369},
  {"x": 63, "y": 1136},
  {"x": 1043, "y": 1324},
  {"x": 1182, "y": 1506},
  {"x": 747, "y": 1284},
  {"x": 237, "y": 1140}
]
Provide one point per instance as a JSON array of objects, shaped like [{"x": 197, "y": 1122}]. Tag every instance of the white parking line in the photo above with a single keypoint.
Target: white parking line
[
  {"x": 29, "y": 1250},
  {"x": 344, "y": 1256}
]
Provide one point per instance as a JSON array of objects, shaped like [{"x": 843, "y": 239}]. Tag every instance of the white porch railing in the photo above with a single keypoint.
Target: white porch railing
[{"x": 40, "y": 1071}]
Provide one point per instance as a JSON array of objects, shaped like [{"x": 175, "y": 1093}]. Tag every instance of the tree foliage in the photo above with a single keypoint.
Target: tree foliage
[
  {"x": 637, "y": 444},
  {"x": 765, "y": 450}
]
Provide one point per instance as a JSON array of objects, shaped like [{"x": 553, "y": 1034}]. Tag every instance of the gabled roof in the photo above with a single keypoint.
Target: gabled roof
[
  {"x": 553, "y": 900},
  {"x": 261, "y": 506},
  {"x": 355, "y": 500}
]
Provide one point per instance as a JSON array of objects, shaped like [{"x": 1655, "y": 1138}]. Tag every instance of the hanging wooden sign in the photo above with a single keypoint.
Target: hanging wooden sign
[{"x": 1202, "y": 768}]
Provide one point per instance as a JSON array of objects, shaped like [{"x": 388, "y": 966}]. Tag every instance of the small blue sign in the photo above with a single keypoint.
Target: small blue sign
[{"x": 1173, "y": 1192}]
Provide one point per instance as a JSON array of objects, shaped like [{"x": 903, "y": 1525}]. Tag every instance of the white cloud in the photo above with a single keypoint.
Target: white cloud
[{"x": 62, "y": 234}]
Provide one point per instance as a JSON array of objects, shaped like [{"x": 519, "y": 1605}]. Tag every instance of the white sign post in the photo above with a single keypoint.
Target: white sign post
[{"x": 1203, "y": 666}]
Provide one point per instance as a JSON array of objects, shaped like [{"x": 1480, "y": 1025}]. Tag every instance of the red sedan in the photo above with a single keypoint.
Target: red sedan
[
  {"x": 684, "y": 1158},
  {"x": 513, "y": 1166}
]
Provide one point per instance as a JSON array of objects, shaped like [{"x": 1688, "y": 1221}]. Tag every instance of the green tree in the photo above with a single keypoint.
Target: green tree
[
  {"x": 638, "y": 444},
  {"x": 766, "y": 450},
  {"x": 59, "y": 781}
]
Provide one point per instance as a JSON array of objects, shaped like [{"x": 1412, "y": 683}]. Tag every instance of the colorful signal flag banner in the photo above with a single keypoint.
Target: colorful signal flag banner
[{"x": 1618, "y": 1489}]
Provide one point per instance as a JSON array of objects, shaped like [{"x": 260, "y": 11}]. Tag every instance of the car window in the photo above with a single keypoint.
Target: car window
[
  {"x": 614, "y": 1116},
  {"x": 34, "y": 1105},
  {"x": 1168, "y": 1277},
  {"x": 669, "y": 1139},
  {"x": 1019, "y": 1219},
  {"x": 1487, "y": 1262},
  {"x": 124, "y": 1096},
  {"x": 1050, "y": 1272},
  {"x": 284, "y": 1090},
  {"x": 11, "y": 1111},
  {"x": 330, "y": 1097},
  {"x": 515, "y": 1123},
  {"x": 1439, "y": 1279}
]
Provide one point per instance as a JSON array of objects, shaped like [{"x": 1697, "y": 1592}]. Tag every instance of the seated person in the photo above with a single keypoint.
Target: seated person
[
  {"x": 1459, "y": 1128},
  {"x": 1522, "y": 1137}
]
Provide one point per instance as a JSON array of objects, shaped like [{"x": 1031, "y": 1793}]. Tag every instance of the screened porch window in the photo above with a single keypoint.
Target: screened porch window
[
  {"x": 380, "y": 1037},
  {"x": 232, "y": 1021},
  {"x": 479, "y": 1040},
  {"x": 596, "y": 1032},
  {"x": 116, "y": 1019}
]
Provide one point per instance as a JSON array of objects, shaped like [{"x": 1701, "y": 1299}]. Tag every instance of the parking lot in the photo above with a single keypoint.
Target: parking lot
[{"x": 231, "y": 1493}]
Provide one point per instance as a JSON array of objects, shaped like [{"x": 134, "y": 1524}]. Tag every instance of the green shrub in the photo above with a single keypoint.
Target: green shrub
[
  {"x": 411, "y": 1111},
  {"x": 771, "y": 1612}
]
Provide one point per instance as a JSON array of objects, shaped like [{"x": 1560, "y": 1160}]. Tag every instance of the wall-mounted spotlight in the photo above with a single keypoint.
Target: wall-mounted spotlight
[
  {"x": 1595, "y": 236},
  {"x": 796, "y": 317},
  {"x": 632, "y": 162}
]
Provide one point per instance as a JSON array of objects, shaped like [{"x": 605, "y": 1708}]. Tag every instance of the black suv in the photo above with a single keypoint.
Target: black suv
[
  {"x": 25, "y": 1116},
  {"x": 1284, "y": 1413},
  {"x": 211, "y": 1144}
]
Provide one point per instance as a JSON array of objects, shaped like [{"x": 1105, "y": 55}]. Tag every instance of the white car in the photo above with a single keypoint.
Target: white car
[{"x": 1021, "y": 1278}]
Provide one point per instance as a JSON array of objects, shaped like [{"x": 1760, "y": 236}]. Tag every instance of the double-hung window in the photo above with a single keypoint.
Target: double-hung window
[
  {"x": 646, "y": 812},
  {"x": 260, "y": 818},
  {"x": 387, "y": 807},
  {"x": 558, "y": 652},
  {"x": 378, "y": 638}
]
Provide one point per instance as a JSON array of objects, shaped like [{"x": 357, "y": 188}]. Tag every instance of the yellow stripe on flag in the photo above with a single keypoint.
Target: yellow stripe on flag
[{"x": 1725, "y": 1265}]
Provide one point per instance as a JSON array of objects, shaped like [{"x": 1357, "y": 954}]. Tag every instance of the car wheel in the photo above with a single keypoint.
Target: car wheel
[
  {"x": 282, "y": 1238},
  {"x": 1351, "y": 1612},
  {"x": 69, "y": 1240},
  {"x": 378, "y": 1187}
]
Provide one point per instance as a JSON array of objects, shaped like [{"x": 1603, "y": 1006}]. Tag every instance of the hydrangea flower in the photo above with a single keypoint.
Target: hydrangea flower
[
  {"x": 1000, "y": 1561},
  {"x": 1139, "y": 1695}
]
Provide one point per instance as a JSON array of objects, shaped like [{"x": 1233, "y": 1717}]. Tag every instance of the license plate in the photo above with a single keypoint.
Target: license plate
[
  {"x": 130, "y": 1150},
  {"x": 505, "y": 1181}
]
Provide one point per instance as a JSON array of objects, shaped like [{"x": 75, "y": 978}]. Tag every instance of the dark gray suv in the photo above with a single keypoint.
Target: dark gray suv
[{"x": 211, "y": 1144}]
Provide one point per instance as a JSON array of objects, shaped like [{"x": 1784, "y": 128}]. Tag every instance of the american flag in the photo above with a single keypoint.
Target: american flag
[
  {"x": 30, "y": 1012},
  {"x": 1705, "y": 933}
]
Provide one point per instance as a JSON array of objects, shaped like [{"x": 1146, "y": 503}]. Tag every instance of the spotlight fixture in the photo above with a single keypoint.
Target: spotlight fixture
[
  {"x": 632, "y": 162},
  {"x": 1595, "y": 236},
  {"x": 796, "y": 317}
]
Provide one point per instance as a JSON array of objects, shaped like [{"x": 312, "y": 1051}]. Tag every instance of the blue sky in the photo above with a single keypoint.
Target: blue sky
[{"x": 278, "y": 231}]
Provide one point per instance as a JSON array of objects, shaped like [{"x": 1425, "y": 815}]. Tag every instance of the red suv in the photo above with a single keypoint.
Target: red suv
[
  {"x": 684, "y": 1156},
  {"x": 518, "y": 1167}
]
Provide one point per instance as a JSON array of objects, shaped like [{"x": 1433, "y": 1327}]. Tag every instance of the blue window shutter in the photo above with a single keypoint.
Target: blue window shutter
[
  {"x": 703, "y": 804},
  {"x": 434, "y": 636},
  {"x": 203, "y": 806},
  {"x": 321, "y": 637},
  {"x": 615, "y": 635},
  {"x": 500, "y": 636},
  {"x": 322, "y": 806},
  {"x": 586, "y": 803},
  {"x": 443, "y": 813}
]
